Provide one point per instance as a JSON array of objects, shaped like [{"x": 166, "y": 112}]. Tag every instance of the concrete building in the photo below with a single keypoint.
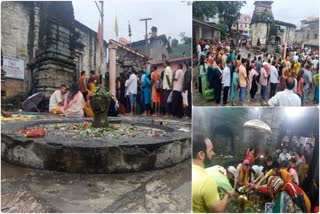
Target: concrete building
[
  {"x": 308, "y": 34},
  {"x": 43, "y": 46},
  {"x": 242, "y": 25},
  {"x": 157, "y": 48}
]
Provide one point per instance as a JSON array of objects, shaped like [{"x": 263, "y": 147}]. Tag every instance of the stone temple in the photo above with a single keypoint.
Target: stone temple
[
  {"x": 266, "y": 32},
  {"x": 44, "y": 46}
]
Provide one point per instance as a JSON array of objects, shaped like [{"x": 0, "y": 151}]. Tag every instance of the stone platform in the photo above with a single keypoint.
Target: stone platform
[{"x": 79, "y": 155}]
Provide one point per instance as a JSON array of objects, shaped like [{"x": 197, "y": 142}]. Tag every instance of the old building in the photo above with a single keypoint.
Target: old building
[
  {"x": 157, "y": 47},
  {"x": 265, "y": 31},
  {"x": 308, "y": 34},
  {"x": 206, "y": 30},
  {"x": 43, "y": 46},
  {"x": 242, "y": 25}
]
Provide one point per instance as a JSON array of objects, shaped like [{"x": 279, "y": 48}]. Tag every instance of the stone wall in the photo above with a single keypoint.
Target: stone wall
[
  {"x": 258, "y": 31},
  {"x": 52, "y": 44},
  {"x": 88, "y": 56},
  {"x": 15, "y": 42}
]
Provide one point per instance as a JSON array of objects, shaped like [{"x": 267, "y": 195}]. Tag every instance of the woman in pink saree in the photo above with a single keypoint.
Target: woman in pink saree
[{"x": 74, "y": 102}]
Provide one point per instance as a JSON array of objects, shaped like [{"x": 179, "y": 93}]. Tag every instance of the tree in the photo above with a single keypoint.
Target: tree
[
  {"x": 229, "y": 11},
  {"x": 204, "y": 8},
  {"x": 174, "y": 43}
]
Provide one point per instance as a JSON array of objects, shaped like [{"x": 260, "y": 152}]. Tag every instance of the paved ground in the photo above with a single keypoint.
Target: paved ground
[
  {"x": 33, "y": 190},
  {"x": 167, "y": 190}
]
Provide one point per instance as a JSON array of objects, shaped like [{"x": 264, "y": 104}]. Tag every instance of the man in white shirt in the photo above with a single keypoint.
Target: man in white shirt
[
  {"x": 274, "y": 79},
  {"x": 132, "y": 85},
  {"x": 286, "y": 97},
  {"x": 177, "y": 90},
  {"x": 56, "y": 100},
  {"x": 315, "y": 61},
  {"x": 226, "y": 78},
  {"x": 167, "y": 85}
]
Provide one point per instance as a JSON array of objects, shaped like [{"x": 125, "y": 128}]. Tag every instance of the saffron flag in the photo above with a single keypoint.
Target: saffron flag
[{"x": 116, "y": 30}]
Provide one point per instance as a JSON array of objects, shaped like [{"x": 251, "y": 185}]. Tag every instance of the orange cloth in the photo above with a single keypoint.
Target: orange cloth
[
  {"x": 56, "y": 110},
  {"x": 87, "y": 106},
  {"x": 155, "y": 93},
  {"x": 81, "y": 83},
  {"x": 88, "y": 112},
  {"x": 244, "y": 175},
  {"x": 286, "y": 177}
]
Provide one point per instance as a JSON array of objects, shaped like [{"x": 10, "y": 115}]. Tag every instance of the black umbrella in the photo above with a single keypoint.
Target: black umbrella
[{"x": 32, "y": 102}]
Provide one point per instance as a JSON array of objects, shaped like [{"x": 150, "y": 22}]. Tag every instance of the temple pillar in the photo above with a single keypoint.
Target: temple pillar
[{"x": 112, "y": 67}]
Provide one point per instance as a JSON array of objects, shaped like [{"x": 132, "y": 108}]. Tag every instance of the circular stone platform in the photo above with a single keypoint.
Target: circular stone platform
[{"x": 158, "y": 147}]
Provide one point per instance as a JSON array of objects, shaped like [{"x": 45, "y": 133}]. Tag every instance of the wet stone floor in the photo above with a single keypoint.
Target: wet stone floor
[{"x": 32, "y": 190}]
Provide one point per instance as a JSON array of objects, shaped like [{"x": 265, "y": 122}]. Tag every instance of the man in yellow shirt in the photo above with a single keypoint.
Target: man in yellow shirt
[
  {"x": 243, "y": 80},
  {"x": 205, "y": 197}
]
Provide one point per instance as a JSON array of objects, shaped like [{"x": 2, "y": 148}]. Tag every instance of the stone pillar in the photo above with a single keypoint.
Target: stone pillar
[
  {"x": 55, "y": 54},
  {"x": 112, "y": 67}
]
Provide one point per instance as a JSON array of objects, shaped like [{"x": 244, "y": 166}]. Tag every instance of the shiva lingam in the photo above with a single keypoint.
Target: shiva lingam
[{"x": 100, "y": 102}]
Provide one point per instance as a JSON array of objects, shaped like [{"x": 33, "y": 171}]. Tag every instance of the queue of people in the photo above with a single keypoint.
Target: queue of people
[
  {"x": 289, "y": 81},
  {"x": 156, "y": 92}
]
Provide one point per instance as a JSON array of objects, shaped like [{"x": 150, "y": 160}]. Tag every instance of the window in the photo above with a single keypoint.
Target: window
[{"x": 316, "y": 36}]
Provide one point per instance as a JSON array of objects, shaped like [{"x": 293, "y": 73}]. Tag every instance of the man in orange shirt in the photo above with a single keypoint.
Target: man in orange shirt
[
  {"x": 82, "y": 82},
  {"x": 242, "y": 80}
]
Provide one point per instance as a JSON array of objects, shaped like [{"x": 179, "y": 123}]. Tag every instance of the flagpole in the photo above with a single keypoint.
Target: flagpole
[{"x": 102, "y": 40}]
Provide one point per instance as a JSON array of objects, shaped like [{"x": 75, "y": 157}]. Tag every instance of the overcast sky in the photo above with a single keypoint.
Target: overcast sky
[
  {"x": 291, "y": 11},
  {"x": 171, "y": 17}
]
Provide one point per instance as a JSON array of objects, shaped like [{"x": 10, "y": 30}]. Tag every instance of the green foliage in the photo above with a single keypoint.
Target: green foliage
[
  {"x": 180, "y": 50},
  {"x": 174, "y": 43},
  {"x": 207, "y": 8},
  {"x": 228, "y": 11}
]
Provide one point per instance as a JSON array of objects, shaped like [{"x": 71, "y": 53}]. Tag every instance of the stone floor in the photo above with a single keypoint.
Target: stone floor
[
  {"x": 166, "y": 190},
  {"x": 33, "y": 190}
]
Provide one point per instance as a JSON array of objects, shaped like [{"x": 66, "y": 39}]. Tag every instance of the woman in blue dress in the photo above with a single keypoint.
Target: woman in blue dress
[
  {"x": 234, "y": 86},
  {"x": 147, "y": 88}
]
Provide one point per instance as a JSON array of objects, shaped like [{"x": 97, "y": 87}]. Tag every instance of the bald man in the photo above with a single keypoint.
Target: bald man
[{"x": 286, "y": 97}]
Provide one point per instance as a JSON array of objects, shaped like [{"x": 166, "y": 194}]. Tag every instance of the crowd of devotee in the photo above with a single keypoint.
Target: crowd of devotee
[
  {"x": 287, "y": 77},
  {"x": 154, "y": 92},
  {"x": 277, "y": 177}
]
